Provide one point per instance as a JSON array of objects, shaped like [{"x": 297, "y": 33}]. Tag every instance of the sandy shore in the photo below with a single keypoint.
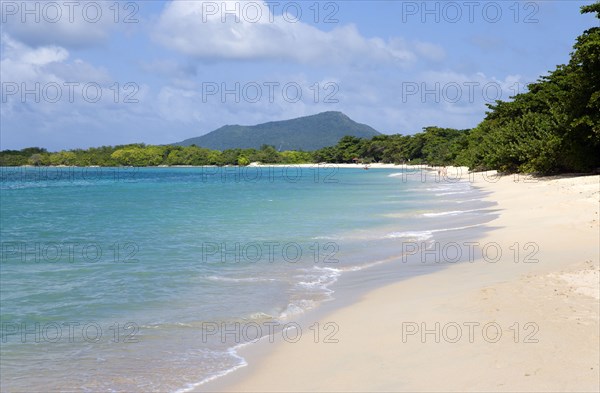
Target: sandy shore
[{"x": 527, "y": 322}]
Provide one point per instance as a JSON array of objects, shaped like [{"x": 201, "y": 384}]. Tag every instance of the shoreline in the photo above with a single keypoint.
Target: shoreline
[
  {"x": 440, "y": 335},
  {"x": 251, "y": 165}
]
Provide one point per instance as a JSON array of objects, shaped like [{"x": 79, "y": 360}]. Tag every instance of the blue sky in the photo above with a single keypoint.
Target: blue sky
[{"x": 80, "y": 74}]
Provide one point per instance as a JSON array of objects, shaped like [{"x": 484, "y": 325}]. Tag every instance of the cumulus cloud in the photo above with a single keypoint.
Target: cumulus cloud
[
  {"x": 199, "y": 30},
  {"x": 24, "y": 64},
  {"x": 430, "y": 51},
  {"x": 44, "y": 96},
  {"x": 20, "y": 62},
  {"x": 67, "y": 24}
]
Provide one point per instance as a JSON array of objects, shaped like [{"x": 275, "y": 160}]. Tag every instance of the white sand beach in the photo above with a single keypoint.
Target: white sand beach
[{"x": 526, "y": 322}]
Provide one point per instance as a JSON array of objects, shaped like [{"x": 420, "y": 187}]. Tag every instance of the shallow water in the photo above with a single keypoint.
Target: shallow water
[{"x": 118, "y": 279}]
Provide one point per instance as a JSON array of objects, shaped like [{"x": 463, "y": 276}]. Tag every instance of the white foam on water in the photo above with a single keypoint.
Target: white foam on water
[
  {"x": 468, "y": 200},
  {"x": 240, "y": 279},
  {"x": 450, "y": 213},
  {"x": 326, "y": 238},
  {"x": 452, "y": 193},
  {"x": 425, "y": 235},
  {"x": 416, "y": 235},
  {"x": 231, "y": 352}
]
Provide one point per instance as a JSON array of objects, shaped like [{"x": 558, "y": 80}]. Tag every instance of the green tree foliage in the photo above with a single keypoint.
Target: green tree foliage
[
  {"x": 140, "y": 155},
  {"x": 191, "y": 155},
  {"x": 552, "y": 128},
  {"x": 266, "y": 154},
  {"x": 441, "y": 146},
  {"x": 19, "y": 157},
  {"x": 36, "y": 159},
  {"x": 243, "y": 160},
  {"x": 434, "y": 146},
  {"x": 295, "y": 157},
  {"x": 63, "y": 158}
]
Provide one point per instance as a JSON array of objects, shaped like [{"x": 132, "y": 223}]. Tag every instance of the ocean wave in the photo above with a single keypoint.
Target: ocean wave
[
  {"x": 457, "y": 228},
  {"x": 416, "y": 235},
  {"x": 468, "y": 200},
  {"x": 426, "y": 234},
  {"x": 232, "y": 352},
  {"x": 313, "y": 283},
  {"x": 463, "y": 186},
  {"x": 297, "y": 308},
  {"x": 239, "y": 279},
  {"x": 358, "y": 268},
  {"x": 200, "y": 324},
  {"x": 453, "y": 193},
  {"x": 167, "y": 326},
  {"x": 259, "y": 316},
  {"x": 318, "y": 278},
  {"x": 450, "y": 213}
]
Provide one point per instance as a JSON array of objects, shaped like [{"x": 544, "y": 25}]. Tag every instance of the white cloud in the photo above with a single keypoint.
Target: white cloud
[
  {"x": 22, "y": 64},
  {"x": 430, "y": 51},
  {"x": 44, "y": 100},
  {"x": 68, "y": 24},
  {"x": 196, "y": 30}
]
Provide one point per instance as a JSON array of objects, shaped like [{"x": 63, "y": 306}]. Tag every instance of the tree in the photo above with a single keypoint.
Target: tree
[
  {"x": 63, "y": 158},
  {"x": 295, "y": 157},
  {"x": 552, "y": 128},
  {"x": 267, "y": 155},
  {"x": 35, "y": 159},
  {"x": 243, "y": 161}
]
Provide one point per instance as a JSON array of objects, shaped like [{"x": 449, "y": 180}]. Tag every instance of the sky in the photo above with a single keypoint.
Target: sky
[{"x": 78, "y": 74}]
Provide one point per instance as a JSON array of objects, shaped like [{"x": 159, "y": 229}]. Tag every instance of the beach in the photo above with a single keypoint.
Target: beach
[{"x": 521, "y": 315}]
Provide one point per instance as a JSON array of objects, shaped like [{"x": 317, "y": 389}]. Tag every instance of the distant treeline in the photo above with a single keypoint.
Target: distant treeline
[
  {"x": 552, "y": 128},
  {"x": 150, "y": 155},
  {"x": 435, "y": 146}
]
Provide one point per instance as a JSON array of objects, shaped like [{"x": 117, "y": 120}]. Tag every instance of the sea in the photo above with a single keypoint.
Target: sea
[{"x": 151, "y": 279}]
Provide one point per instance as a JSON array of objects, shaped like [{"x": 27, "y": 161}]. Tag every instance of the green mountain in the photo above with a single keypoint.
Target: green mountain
[{"x": 304, "y": 133}]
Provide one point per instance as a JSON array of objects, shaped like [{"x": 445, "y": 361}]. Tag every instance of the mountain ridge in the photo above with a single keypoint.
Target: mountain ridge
[{"x": 306, "y": 133}]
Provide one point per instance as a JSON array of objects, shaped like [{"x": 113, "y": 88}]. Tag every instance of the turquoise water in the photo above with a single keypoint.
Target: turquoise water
[{"x": 114, "y": 279}]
